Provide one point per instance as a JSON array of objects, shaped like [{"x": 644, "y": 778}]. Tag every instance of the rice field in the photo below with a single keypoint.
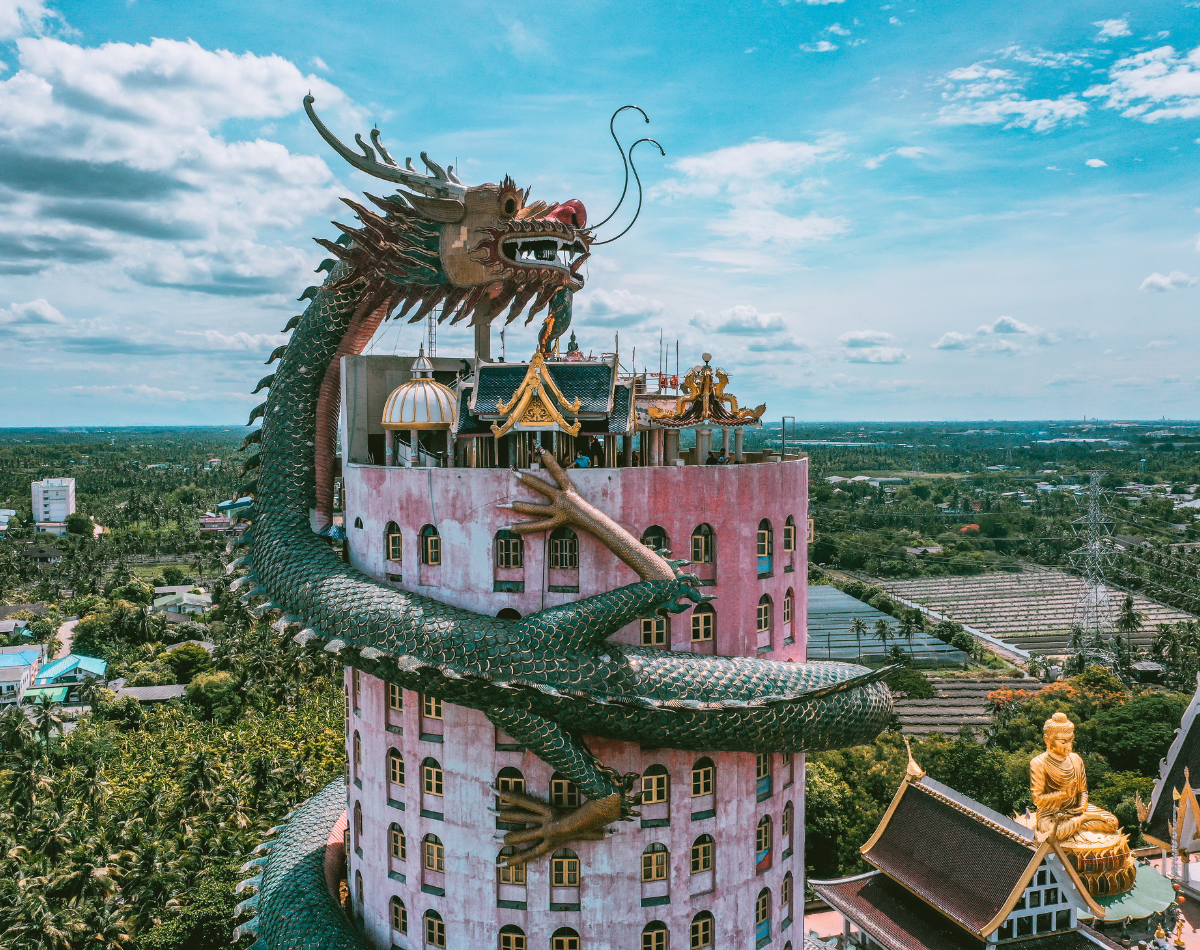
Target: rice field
[{"x": 1031, "y": 610}]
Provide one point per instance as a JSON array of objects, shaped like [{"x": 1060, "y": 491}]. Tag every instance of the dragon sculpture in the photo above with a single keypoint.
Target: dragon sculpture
[{"x": 552, "y": 677}]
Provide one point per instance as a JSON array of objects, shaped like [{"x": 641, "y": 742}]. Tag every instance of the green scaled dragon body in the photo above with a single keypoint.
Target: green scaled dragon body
[{"x": 552, "y": 677}]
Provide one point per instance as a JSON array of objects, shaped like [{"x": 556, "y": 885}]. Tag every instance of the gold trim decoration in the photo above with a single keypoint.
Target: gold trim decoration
[
  {"x": 705, "y": 402},
  {"x": 530, "y": 407}
]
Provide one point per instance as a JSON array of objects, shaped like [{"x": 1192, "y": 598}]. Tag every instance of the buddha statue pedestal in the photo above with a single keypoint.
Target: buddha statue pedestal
[{"x": 1090, "y": 836}]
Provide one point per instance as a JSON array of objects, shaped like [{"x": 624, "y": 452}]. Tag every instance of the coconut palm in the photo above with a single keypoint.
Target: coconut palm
[
  {"x": 858, "y": 627},
  {"x": 47, "y": 718},
  {"x": 1129, "y": 618},
  {"x": 882, "y": 631}
]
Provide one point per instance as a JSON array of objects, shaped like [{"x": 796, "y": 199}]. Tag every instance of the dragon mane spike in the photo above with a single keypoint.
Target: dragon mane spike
[
  {"x": 293, "y": 323},
  {"x": 311, "y": 292},
  {"x": 326, "y": 265},
  {"x": 467, "y": 305},
  {"x": 264, "y": 383},
  {"x": 344, "y": 239},
  {"x": 257, "y": 413},
  {"x": 252, "y": 438},
  {"x": 437, "y": 185},
  {"x": 276, "y": 354},
  {"x": 431, "y": 301},
  {"x": 251, "y": 463},
  {"x": 342, "y": 253},
  {"x": 408, "y": 301},
  {"x": 393, "y": 204}
]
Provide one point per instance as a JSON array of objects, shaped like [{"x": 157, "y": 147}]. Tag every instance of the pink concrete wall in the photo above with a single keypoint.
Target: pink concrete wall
[{"x": 462, "y": 504}]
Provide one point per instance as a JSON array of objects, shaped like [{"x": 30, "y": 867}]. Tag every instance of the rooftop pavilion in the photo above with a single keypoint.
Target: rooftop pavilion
[{"x": 458, "y": 413}]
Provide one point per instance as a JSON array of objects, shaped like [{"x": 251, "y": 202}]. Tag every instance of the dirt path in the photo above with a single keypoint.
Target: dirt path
[{"x": 66, "y": 637}]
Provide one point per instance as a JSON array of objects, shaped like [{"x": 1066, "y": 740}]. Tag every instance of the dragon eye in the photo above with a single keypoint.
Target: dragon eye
[{"x": 509, "y": 205}]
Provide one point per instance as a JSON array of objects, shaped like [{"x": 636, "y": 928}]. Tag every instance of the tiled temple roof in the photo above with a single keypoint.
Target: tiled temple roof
[{"x": 1184, "y": 754}]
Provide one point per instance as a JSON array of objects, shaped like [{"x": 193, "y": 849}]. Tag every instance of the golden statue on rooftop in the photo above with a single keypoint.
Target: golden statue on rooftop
[{"x": 1090, "y": 836}]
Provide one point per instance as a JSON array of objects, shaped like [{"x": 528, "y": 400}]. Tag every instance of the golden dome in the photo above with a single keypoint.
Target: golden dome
[{"x": 422, "y": 402}]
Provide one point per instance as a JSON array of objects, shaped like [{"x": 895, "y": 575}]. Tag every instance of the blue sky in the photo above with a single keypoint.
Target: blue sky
[{"x": 902, "y": 210}]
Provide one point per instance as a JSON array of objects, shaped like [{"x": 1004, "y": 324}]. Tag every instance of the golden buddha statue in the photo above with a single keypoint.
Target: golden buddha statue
[{"x": 1090, "y": 836}]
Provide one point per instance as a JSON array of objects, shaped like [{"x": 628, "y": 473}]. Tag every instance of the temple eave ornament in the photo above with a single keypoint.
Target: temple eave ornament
[
  {"x": 705, "y": 403},
  {"x": 535, "y": 404},
  {"x": 1090, "y": 836}
]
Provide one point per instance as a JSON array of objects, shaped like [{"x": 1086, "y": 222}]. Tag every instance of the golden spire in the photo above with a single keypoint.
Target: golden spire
[
  {"x": 530, "y": 407},
  {"x": 914, "y": 772}
]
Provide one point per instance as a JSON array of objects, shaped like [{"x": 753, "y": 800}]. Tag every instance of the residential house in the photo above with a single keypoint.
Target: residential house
[{"x": 18, "y": 668}]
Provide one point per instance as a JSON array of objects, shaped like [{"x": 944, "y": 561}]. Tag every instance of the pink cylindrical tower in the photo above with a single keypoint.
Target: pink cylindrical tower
[{"x": 716, "y": 857}]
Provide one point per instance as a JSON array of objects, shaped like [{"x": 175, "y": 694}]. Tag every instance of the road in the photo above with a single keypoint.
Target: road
[{"x": 66, "y": 636}]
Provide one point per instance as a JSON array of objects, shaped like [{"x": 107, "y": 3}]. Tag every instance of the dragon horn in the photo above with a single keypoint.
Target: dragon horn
[{"x": 437, "y": 185}]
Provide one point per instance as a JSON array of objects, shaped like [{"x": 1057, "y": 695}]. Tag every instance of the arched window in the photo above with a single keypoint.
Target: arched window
[
  {"x": 358, "y": 888},
  {"x": 564, "y": 939},
  {"x": 788, "y": 826},
  {"x": 655, "y": 537},
  {"x": 435, "y": 930},
  {"x": 512, "y": 938},
  {"x": 789, "y": 534},
  {"x": 510, "y": 549},
  {"x": 702, "y": 854},
  {"x": 763, "y": 767},
  {"x": 432, "y": 778},
  {"x": 789, "y": 605},
  {"x": 762, "y": 844},
  {"x": 785, "y": 897},
  {"x": 763, "y": 622},
  {"x": 399, "y": 915},
  {"x": 704, "y": 623},
  {"x": 358, "y": 522},
  {"x": 511, "y": 873},
  {"x": 564, "y": 550},
  {"x": 766, "y": 547},
  {"x": 654, "y": 631},
  {"x": 702, "y": 931},
  {"x": 703, "y": 544},
  {"x": 564, "y": 868},
  {"x": 395, "y": 767},
  {"x": 358, "y": 827},
  {"x": 655, "y": 781},
  {"x": 356, "y": 688},
  {"x": 433, "y": 854},
  {"x": 655, "y": 936},
  {"x": 654, "y": 863},
  {"x": 762, "y": 915},
  {"x": 356, "y": 757},
  {"x": 431, "y": 545},
  {"x": 397, "y": 843},
  {"x": 509, "y": 779},
  {"x": 393, "y": 542},
  {"x": 703, "y": 777},
  {"x": 563, "y": 792}
]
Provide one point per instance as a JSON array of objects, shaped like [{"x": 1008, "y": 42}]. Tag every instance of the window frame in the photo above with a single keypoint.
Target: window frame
[
  {"x": 655, "y": 632},
  {"x": 563, "y": 870},
  {"x": 431, "y": 707},
  {"x": 433, "y": 854},
  {"x": 509, "y": 549},
  {"x": 703, "y": 547},
  {"x": 702, "y": 856},
  {"x": 789, "y": 535},
  {"x": 433, "y": 778},
  {"x": 563, "y": 792},
  {"x": 763, "y": 616},
  {"x": 656, "y": 785},
  {"x": 564, "y": 550},
  {"x": 431, "y": 546},
  {"x": 393, "y": 543},
  {"x": 701, "y": 924},
  {"x": 704, "y": 622},
  {"x": 435, "y": 930},
  {"x": 656, "y": 861},
  {"x": 702, "y": 775},
  {"x": 398, "y": 922},
  {"x": 397, "y": 842}
]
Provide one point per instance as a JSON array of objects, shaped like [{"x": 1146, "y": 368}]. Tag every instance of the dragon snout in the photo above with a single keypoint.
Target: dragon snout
[{"x": 571, "y": 213}]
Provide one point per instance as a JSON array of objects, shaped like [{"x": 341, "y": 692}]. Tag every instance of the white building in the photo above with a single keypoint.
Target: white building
[
  {"x": 53, "y": 499},
  {"x": 18, "y": 667}
]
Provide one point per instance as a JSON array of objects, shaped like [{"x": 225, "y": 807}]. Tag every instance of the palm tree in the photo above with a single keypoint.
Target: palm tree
[
  {"x": 46, "y": 718},
  {"x": 882, "y": 631},
  {"x": 858, "y": 627},
  {"x": 1129, "y": 618},
  {"x": 15, "y": 729},
  {"x": 907, "y": 630}
]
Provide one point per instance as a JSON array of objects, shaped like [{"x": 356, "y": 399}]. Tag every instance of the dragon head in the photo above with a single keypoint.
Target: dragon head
[{"x": 472, "y": 250}]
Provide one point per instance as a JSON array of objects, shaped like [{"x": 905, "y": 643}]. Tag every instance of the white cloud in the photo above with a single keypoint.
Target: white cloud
[
  {"x": 821, "y": 46},
  {"x": 1157, "y": 84},
  {"x": 1014, "y": 111},
  {"x": 1003, "y": 336},
  {"x": 1163, "y": 282},
  {"x": 855, "y": 339},
  {"x": 1111, "y": 29},
  {"x": 22, "y": 17},
  {"x": 32, "y": 316},
  {"x": 317, "y": 63},
  {"x": 116, "y": 153},
  {"x": 894, "y": 20},
  {"x": 1044, "y": 58},
  {"x": 952, "y": 340},
  {"x": 1096, "y": 163},
  {"x": 838, "y": 29},
  {"x": 524, "y": 43},
  {"x": 742, "y": 319},
  {"x": 142, "y": 391},
  {"x": 240, "y": 340},
  {"x": 756, "y": 160},
  {"x": 907, "y": 151},
  {"x": 876, "y": 354},
  {"x": 616, "y": 308}
]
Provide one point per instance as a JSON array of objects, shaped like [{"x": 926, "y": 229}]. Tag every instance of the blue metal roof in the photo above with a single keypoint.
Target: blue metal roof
[
  {"x": 24, "y": 658},
  {"x": 88, "y": 665}
]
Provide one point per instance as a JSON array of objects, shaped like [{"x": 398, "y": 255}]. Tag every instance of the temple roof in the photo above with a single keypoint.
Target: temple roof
[
  {"x": 963, "y": 859},
  {"x": 705, "y": 403},
  {"x": 604, "y": 402},
  {"x": 1183, "y": 756},
  {"x": 897, "y": 920}
]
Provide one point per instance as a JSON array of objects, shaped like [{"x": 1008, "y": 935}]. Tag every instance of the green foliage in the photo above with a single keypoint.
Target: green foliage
[
  {"x": 1134, "y": 736},
  {"x": 173, "y": 576},
  {"x": 136, "y": 591},
  {"x": 78, "y": 523},
  {"x": 187, "y": 660},
  {"x": 217, "y": 695},
  {"x": 202, "y": 922},
  {"x": 911, "y": 684}
]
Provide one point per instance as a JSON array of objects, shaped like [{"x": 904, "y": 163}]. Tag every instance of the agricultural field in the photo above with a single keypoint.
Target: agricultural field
[{"x": 1030, "y": 609}]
